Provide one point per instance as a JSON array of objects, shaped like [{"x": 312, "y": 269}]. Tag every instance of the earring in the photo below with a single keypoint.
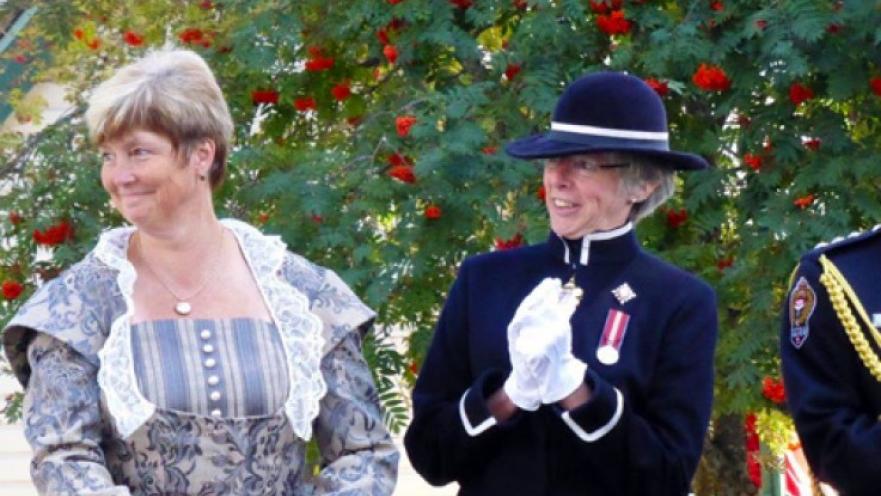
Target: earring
[{"x": 201, "y": 177}]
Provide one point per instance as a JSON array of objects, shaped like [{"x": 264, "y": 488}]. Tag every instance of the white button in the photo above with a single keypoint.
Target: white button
[
  {"x": 210, "y": 362},
  {"x": 215, "y": 395},
  {"x": 208, "y": 348},
  {"x": 205, "y": 334},
  {"x": 213, "y": 380},
  {"x": 216, "y": 412}
]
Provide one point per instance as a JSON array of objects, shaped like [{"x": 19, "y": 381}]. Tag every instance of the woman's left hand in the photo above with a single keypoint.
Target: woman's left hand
[{"x": 564, "y": 372}]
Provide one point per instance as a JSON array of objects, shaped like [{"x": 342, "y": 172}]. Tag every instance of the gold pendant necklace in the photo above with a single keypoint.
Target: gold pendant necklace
[{"x": 183, "y": 306}]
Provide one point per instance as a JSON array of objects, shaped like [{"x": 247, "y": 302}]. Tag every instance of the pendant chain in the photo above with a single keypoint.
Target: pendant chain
[{"x": 182, "y": 306}]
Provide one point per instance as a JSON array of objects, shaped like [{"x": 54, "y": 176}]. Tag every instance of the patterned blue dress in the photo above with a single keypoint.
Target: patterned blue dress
[{"x": 202, "y": 407}]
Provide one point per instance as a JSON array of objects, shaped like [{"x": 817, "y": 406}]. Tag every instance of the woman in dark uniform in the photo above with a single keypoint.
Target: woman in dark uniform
[{"x": 581, "y": 365}]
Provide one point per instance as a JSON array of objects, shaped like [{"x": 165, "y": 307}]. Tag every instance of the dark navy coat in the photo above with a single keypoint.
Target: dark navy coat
[
  {"x": 834, "y": 399},
  {"x": 642, "y": 431}
]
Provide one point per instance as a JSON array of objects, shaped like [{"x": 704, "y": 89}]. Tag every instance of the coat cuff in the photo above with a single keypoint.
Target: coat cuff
[
  {"x": 473, "y": 411},
  {"x": 596, "y": 418}
]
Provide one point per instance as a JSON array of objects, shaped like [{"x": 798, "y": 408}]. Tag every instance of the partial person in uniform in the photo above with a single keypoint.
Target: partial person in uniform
[
  {"x": 583, "y": 364},
  {"x": 830, "y": 346},
  {"x": 185, "y": 354}
]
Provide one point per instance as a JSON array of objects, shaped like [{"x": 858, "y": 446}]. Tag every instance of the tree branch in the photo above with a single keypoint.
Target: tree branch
[{"x": 32, "y": 143}]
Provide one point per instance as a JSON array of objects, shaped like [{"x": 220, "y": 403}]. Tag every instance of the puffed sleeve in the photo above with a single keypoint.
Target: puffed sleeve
[
  {"x": 77, "y": 308},
  {"x": 357, "y": 452},
  {"x": 339, "y": 309},
  {"x": 52, "y": 344},
  {"x": 358, "y": 455},
  {"x": 658, "y": 443},
  {"x": 823, "y": 377},
  {"x": 63, "y": 422}
]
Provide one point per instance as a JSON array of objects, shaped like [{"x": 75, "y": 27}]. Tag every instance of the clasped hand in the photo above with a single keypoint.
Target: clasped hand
[{"x": 540, "y": 348}]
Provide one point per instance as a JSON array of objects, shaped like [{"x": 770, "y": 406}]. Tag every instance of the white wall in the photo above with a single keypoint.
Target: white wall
[{"x": 54, "y": 95}]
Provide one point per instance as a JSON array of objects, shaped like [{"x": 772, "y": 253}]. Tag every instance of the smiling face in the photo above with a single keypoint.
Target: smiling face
[
  {"x": 148, "y": 181},
  {"x": 582, "y": 196}
]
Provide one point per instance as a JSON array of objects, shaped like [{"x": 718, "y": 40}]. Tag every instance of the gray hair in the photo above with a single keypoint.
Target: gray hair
[
  {"x": 168, "y": 91},
  {"x": 643, "y": 169}
]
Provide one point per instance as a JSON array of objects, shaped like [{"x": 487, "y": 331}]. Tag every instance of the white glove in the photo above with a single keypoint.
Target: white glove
[
  {"x": 565, "y": 372},
  {"x": 546, "y": 342},
  {"x": 523, "y": 386}
]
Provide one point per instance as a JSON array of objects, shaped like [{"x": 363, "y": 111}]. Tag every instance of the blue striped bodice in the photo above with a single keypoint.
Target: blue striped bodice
[{"x": 223, "y": 368}]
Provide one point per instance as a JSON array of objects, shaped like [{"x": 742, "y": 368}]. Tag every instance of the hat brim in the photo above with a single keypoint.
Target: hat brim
[{"x": 542, "y": 146}]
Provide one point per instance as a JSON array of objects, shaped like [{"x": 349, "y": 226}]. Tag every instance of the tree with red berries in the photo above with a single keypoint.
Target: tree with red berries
[{"x": 370, "y": 136}]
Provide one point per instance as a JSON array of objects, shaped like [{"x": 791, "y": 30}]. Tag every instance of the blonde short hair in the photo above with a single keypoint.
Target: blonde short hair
[{"x": 168, "y": 91}]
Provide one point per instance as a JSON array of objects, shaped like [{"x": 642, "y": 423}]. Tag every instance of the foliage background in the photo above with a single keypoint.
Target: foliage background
[{"x": 791, "y": 126}]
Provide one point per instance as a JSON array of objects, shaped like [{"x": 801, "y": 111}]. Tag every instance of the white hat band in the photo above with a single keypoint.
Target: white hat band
[{"x": 609, "y": 132}]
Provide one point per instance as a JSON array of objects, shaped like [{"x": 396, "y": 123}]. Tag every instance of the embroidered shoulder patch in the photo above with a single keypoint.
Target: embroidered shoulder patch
[{"x": 802, "y": 302}]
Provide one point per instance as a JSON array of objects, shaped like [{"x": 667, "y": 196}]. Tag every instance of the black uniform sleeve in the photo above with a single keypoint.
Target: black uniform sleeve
[
  {"x": 452, "y": 433},
  {"x": 822, "y": 374},
  {"x": 659, "y": 443}
]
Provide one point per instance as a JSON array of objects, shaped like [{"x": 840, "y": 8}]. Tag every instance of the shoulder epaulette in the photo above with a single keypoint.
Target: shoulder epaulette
[
  {"x": 843, "y": 241},
  {"x": 853, "y": 316}
]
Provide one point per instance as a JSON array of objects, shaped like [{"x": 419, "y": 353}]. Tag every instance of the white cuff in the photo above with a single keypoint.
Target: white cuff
[
  {"x": 473, "y": 431},
  {"x": 602, "y": 431}
]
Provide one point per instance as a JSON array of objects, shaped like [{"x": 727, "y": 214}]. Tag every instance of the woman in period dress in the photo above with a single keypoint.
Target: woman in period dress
[{"x": 187, "y": 354}]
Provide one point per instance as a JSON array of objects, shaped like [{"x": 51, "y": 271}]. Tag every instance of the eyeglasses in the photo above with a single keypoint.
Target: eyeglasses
[{"x": 584, "y": 165}]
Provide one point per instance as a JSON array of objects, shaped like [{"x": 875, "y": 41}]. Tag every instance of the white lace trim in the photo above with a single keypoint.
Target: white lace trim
[
  {"x": 128, "y": 408},
  {"x": 299, "y": 328},
  {"x": 300, "y": 331}
]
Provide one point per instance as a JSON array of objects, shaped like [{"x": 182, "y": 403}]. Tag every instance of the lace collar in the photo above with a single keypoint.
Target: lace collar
[{"x": 299, "y": 328}]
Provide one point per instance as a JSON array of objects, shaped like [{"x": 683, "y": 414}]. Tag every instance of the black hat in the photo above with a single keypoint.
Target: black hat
[{"x": 607, "y": 112}]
